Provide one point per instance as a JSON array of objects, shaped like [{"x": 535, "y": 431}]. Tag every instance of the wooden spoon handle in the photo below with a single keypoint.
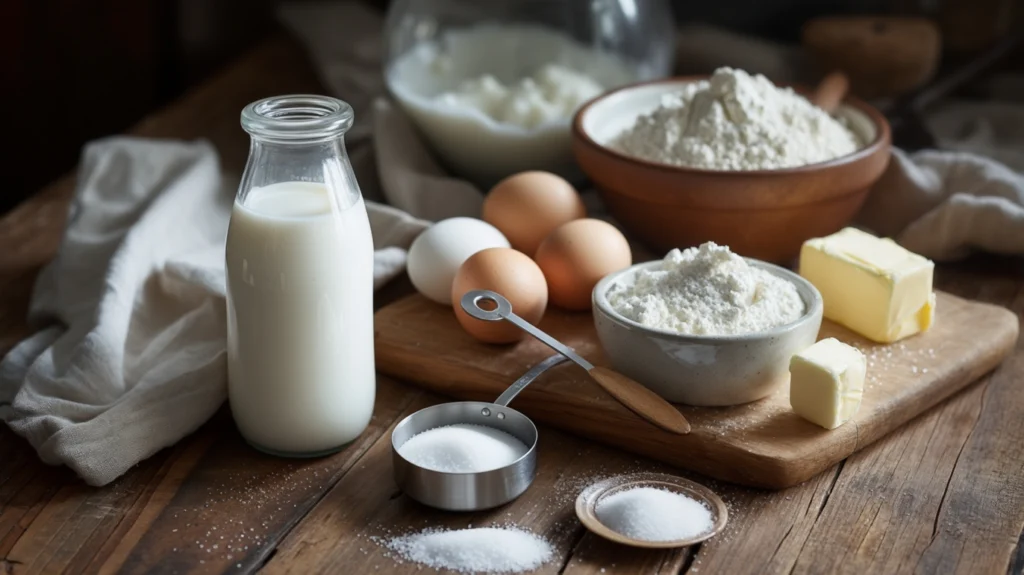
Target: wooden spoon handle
[
  {"x": 641, "y": 400},
  {"x": 831, "y": 91}
]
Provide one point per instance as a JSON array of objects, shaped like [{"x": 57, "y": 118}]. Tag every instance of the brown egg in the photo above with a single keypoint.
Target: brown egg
[
  {"x": 528, "y": 206},
  {"x": 510, "y": 273},
  {"x": 576, "y": 256}
]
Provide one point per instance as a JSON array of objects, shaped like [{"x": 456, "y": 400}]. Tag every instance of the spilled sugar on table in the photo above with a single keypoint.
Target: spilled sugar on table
[{"x": 942, "y": 493}]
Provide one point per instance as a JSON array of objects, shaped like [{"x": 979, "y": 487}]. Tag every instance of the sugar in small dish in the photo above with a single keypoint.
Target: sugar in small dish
[
  {"x": 651, "y": 510},
  {"x": 653, "y": 514}
]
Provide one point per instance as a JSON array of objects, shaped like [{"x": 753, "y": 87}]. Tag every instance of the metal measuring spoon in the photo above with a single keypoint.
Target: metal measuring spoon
[{"x": 629, "y": 393}]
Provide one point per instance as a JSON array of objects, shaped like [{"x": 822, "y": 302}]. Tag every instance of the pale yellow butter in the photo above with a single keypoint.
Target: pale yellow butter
[
  {"x": 871, "y": 285},
  {"x": 827, "y": 382}
]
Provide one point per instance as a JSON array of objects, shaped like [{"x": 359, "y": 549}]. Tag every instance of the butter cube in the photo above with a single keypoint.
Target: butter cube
[
  {"x": 871, "y": 285},
  {"x": 827, "y": 382}
]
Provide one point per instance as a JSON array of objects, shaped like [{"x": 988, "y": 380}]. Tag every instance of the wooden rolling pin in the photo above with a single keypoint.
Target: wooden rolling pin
[
  {"x": 831, "y": 91},
  {"x": 882, "y": 56}
]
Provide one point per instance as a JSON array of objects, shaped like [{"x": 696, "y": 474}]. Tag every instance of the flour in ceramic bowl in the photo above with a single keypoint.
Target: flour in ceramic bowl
[
  {"x": 736, "y": 121},
  {"x": 707, "y": 290},
  {"x": 496, "y": 99}
]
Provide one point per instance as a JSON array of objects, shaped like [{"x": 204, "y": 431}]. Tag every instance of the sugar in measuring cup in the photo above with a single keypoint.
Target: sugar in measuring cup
[{"x": 429, "y": 478}]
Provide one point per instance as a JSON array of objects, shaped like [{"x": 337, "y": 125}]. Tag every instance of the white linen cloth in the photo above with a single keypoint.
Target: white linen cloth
[
  {"x": 944, "y": 205},
  {"x": 129, "y": 356}
]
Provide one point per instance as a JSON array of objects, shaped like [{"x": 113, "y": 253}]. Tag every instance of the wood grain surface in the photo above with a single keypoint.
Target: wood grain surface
[
  {"x": 763, "y": 444},
  {"x": 942, "y": 494}
]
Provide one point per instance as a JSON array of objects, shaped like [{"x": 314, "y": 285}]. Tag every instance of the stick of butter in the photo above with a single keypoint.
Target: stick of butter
[
  {"x": 827, "y": 382},
  {"x": 871, "y": 285}
]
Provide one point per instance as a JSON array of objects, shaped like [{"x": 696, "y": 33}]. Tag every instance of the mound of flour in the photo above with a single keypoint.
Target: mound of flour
[
  {"x": 736, "y": 121},
  {"x": 707, "y": 291}
]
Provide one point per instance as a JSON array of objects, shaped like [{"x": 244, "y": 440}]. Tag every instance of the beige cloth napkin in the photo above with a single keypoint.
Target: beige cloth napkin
[
  {"x": 944, "y": 205},
  {"x": 940, "y": 204}
]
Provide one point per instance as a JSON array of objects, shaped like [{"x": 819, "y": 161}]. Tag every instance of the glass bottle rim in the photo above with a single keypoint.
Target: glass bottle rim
[{"x": 297, "y": 118}]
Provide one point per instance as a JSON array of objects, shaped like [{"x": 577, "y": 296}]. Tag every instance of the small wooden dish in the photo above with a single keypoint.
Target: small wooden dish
[{"x": 586, "y": 506}]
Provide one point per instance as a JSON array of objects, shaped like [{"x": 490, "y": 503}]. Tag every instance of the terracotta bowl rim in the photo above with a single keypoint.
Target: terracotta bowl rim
[{"x": 878, "y": 144}]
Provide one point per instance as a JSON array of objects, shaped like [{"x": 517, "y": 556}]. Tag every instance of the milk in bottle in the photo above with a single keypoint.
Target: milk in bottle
[{"x": 299, "y": 265}]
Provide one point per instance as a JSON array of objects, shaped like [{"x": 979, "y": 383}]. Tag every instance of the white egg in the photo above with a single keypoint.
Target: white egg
[{"x": 438, "y": 252}]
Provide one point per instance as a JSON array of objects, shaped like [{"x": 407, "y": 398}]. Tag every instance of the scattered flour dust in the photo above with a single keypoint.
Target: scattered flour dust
[
  {"x": 462, "y": 448},
  {"x": 707, "y": 290},
  {"x": 736, "y": 121},
  {"x": 651, "y": 514},
  {"x": 478, "y": 550}
]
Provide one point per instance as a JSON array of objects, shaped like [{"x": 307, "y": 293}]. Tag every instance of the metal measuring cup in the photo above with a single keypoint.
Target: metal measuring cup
[{"x": 471, "y": 491}]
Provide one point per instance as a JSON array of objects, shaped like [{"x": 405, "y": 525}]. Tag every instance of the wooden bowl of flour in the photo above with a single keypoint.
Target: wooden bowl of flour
[{"x": 764, "y": 214}]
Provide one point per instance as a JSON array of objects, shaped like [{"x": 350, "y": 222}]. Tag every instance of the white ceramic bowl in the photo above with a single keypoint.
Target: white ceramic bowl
[{"x": 705, "y": 370}]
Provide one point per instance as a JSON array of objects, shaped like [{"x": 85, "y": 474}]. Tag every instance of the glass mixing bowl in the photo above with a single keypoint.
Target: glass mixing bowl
[{"x": 518, "y": 70}]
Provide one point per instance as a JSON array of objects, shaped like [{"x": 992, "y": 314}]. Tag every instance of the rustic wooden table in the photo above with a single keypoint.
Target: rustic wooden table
[{"x": 943, "y": 494}]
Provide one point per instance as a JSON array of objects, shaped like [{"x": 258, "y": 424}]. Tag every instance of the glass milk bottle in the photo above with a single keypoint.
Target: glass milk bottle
[{"x": 299, "y": 264}]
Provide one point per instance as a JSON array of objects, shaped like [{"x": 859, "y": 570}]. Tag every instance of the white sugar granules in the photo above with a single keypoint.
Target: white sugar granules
[
  {"x": 707, "y": 291},
  {"x": 736, "y": 121},
  {"x": 651, "y": 514},
  {"x": 482, "y": 550},
  {"x": 462, "y": 448}
]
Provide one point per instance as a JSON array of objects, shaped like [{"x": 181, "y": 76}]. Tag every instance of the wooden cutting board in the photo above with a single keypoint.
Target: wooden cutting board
[{"x": 762, "y": 444}]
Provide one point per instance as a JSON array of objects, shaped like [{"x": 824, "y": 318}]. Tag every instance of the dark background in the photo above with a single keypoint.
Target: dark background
[{"x": 74, "y": 70}]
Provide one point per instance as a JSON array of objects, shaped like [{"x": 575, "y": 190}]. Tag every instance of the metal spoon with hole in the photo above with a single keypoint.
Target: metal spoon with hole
[
  {"x": 629, "y": 393},
  {"x": 471, "y": 491}
]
